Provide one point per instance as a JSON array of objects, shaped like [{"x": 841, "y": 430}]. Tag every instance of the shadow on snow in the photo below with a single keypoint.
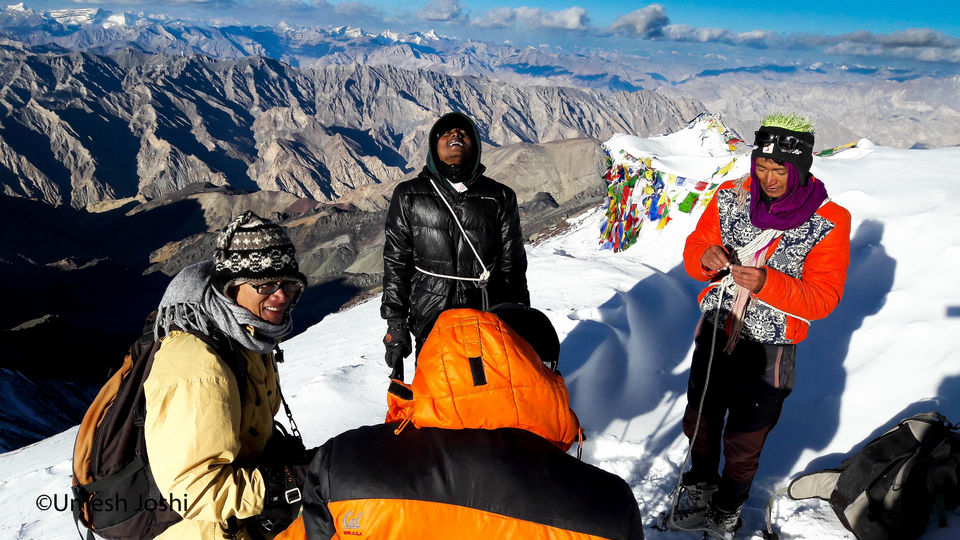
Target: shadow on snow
[
  {"x": 811, "y": 415},
  {"x": 623, "y": 365},
  {"x": 947, "y": 402}
]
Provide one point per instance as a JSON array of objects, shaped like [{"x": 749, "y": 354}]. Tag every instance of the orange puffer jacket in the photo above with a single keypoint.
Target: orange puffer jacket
[
  {"x": 806, "y": 266},
  {"x": 479, "y": 453},
  {"x": 475, "y": 372}
]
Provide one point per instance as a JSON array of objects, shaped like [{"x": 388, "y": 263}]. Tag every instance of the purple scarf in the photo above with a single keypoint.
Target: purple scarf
[{"x": 787, "y": 211}]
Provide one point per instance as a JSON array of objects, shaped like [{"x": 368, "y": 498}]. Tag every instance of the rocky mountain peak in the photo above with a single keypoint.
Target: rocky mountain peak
[{"x": 78, "y": 128}]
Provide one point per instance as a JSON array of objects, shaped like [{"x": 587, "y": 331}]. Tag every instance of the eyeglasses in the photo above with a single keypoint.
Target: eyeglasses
[
  {"x": 266, "y": 289},
  {"x": 785, "y": 142}
]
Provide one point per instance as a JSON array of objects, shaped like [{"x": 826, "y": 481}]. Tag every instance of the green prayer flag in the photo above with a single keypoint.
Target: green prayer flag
[{"x": 687, "y": 205}]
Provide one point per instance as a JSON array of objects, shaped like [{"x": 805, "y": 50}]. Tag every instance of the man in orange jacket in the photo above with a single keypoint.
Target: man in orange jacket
[
  {"x": 485, "y": 456},
  {"x": 775, "y": 251}
]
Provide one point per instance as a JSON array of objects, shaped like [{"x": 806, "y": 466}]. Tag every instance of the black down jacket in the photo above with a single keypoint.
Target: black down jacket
[{"x": 421, "y": 232}]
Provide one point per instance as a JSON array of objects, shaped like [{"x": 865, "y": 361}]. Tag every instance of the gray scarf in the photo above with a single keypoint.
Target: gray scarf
[{"x": 191, "y": 303}]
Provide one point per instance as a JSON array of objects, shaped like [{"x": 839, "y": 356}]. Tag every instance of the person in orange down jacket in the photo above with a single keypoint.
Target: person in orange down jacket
[
  {"x": 475, "y": 447},
  {"x": 775, "y": 250}
]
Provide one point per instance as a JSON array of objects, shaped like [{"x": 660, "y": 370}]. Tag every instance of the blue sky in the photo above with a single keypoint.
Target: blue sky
[
  {"x": 809, "y": 16},
  {"x": 878, "y": 31},
  {"x": 805, "y": 16}
]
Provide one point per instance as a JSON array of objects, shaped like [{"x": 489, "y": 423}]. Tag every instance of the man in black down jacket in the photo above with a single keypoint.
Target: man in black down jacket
[{"x": 428, "y": 264}]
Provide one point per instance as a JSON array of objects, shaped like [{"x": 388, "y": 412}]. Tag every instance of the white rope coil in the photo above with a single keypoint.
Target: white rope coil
[{"x": 485, "y": 274}]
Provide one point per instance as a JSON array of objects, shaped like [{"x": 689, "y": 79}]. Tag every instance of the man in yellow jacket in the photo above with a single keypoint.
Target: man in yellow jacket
[{"x": 209, "y": 428}]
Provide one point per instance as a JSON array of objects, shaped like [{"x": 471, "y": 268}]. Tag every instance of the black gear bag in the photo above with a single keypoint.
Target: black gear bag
[
  {"x": 888, "y": 488},
  {"x": 111, "y": 473}
]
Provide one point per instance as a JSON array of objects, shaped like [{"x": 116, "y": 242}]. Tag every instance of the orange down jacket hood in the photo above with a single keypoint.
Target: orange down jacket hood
[{"x": 475, "y": 372}]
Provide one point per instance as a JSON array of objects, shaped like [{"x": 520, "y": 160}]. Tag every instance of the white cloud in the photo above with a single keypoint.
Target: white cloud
[
  {"x": 502, "y": 17},
  {"x": 914, "y": 37},
  {"x": 922, "y": 44},
  {"x": 644, "y": 22},
  {"x": 156, "y": 3},
  {"x": 754, "y": 38},
  {"x": 572, "y": 18},
  {"x": 351, "y": 8},
  {"x": 443, "y": 10},
  {"x": 683, "y": 32},
  {"x": 925, "y": 54}
]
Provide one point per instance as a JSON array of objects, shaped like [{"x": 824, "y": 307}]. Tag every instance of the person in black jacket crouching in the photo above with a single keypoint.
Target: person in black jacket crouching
[
  {"x": 485, "y": 456},
  {"x": 453, "y": 240}
]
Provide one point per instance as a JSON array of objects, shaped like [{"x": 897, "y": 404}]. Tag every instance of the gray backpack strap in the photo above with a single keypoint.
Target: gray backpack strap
[{"x": 818, "y": 485}]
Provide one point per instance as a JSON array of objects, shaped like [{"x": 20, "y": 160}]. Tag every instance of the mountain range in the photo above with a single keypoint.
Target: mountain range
[
  {"x": 78, "y": 128},
  {"x": 915, "y": 105}
]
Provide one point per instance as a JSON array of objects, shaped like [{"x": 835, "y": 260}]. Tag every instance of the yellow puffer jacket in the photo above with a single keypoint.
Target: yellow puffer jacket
[{"x": 198, "y": 422}]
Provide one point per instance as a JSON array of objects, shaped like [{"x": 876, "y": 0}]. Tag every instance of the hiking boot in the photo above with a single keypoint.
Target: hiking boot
[
  {"x": 721, "y": 523},
  {"x": 692, "y": 504}
]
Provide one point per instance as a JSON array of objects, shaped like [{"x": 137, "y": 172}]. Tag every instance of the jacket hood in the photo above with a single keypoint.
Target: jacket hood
[
  {"x": 444, "y": 123},
  {"x": 475, "y": 372}
]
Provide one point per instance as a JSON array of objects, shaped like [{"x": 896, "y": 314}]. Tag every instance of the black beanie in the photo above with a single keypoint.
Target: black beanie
[
  {"x": 534, "y": 327},
  {"x": 801, "y": 157}
]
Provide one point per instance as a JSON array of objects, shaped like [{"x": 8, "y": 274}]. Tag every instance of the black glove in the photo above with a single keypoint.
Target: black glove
[
  {"x": 397, "y": 343},
  {"x": 281, "y": 502}
]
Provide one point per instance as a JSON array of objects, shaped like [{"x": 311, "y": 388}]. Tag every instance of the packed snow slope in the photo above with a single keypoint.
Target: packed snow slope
[{"x": 626, "y": 322}]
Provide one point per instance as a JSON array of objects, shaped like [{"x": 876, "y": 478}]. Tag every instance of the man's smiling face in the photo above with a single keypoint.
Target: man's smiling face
[{"x": 455, "y": 146}]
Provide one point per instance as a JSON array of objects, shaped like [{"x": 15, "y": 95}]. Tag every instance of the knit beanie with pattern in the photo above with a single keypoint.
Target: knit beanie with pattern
[{"x": 254, "y": 249}]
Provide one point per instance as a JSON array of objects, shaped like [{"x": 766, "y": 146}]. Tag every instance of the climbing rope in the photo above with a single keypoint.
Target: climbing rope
[
  {"x": 484, "y": 276},
  {"x": 675, "y": 493},
  {"x": 726, "y": 284}
]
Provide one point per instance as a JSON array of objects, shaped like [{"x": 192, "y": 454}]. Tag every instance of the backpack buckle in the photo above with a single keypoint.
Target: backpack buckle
[{"x": 292, "y": 495}]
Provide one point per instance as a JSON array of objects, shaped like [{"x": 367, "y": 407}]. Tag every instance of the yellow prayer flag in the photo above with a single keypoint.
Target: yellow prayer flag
[{"x": 725, "y": 169}]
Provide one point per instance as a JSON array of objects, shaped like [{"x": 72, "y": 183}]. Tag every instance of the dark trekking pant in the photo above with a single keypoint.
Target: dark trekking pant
[{"x": 744, "y": 398}]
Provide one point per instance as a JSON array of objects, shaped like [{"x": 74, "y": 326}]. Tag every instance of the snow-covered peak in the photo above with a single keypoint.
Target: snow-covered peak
[
  {"x": 696, "y": 151},
  {"x": 392, "y": 36},
  {"x": 418, "y": 38},
  {"x": 19, "y": 8},
  {"x": 120, "y": 20},
  {"x": 348, "y": 31},
  {"x": 78, "y": 16},
  {"x": 706, "y": 135}
]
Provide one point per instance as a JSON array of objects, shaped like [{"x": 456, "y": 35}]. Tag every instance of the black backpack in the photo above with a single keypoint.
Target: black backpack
[
  {"x": 887, "y": 489},
  {"x": 111, "y": 474}
]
